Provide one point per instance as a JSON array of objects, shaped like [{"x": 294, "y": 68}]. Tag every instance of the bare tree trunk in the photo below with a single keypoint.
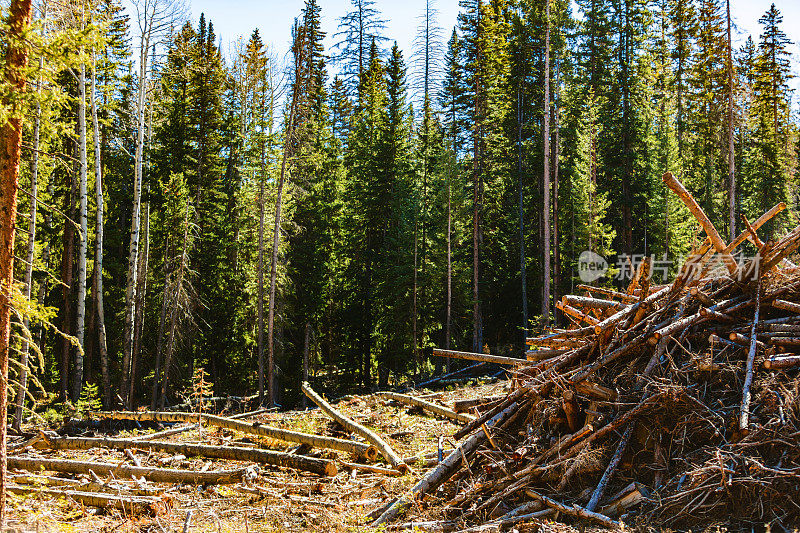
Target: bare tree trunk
[
  {"x": 22, "y": 388},
  {"x": 276, "y": 238},
  {"x": 141, "y": 293},
  {"x": 522, "y": 262},
  {"x": 97, "y": 290},
  {"x": 133, "y": 250},
  {"x": 261, "y": 281},
  {"x": 731, "y": 158},
  {"x": 306, "y": 347},
  {"x": 477, "y": 328},
  {"x": 16, "y": 60},
  {"x": 556, "y": 153},
  {"x": 546, "y": 187},
  {"x": 80, "y": 312},
  {"x": 449, "y": 304}
]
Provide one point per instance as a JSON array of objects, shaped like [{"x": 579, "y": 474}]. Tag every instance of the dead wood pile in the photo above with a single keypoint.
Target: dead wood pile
[{"x": 676, "y": 406}]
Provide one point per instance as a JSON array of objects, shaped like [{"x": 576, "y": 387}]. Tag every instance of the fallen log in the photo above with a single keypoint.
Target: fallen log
[
  {"x": 483, "y": 357},
  {"x": 385, "y": 450},
  {"x": 464, "y": 406},
  {"x": 323, "y": 467},
  {"x": 428, "y": 406},
  {"x": 786, "y": 305},
  {"x": 166, "y": 432},
  {"x": 358, "y": 449},
  {"x": 157, "y": 475},
  {"x": 133, "y": 505},
  {"x": 744, "y": 413},
  {"x": 115, "y": 486},
  {"x": 778, "y": 362},
  {"x": 576, "y": 510}
]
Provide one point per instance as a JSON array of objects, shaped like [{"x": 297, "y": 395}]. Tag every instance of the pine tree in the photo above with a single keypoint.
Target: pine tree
[
  {"x": 771, "y": 74},
  {"x": 358, "y": 29}
]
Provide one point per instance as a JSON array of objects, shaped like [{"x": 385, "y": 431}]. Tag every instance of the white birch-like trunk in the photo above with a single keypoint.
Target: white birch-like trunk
[
  {"x": 98, "y": 258},
  {"x": 133, "y": 251},
  {"x": 80, "y": 313}
]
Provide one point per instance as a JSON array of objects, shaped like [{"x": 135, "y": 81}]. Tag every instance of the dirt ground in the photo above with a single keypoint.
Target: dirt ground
[{"x": 281, "y": 499}]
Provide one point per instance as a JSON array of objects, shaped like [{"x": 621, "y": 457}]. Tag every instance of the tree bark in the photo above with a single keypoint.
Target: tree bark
[
  {"x": 16, "y": 60},
  {"x": 133, "y": 249},
  {"x": 384, "y": 449},
  {"x": 131, "y": 505},
  {"x": 731, "y": 155},
  {"x": 22, "y": 388},
  {"x": 546, "y": 186},
  {"x": 80, "y": 312},
  {"x": 157, "y": 475},
  {"x": 141, "y": 293},
  {"x": 323, "y": 467},
  {"x": 358, "y": 449},
  {"x": 428, "y": 406}
]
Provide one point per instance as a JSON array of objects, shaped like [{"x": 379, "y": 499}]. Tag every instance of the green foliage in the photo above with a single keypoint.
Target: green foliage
[{"x": 89, "y": 399}]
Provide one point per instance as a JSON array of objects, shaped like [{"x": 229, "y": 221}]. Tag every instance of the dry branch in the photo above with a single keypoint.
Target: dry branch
[{"x": 385, "y": 450}]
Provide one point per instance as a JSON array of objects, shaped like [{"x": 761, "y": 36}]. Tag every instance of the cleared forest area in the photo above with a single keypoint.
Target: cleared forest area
[{"x": 545, "y": 260}]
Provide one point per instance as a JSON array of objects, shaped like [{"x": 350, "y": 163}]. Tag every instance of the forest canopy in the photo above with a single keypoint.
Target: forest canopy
[{"x": 191, "y": 210}]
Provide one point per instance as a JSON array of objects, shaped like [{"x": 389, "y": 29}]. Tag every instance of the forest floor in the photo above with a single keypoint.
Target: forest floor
[{"x": 287, "y": 500}]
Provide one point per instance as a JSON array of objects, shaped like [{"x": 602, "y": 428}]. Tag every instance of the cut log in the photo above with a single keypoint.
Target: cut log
[
  {"x": 624, "y": 297},
  {"x": 471, "y": 356},
  {"x": 786, "y": 305},
  {"x": 133, "y": 505},
  {"x": 576, "y": 510},
  {"x": 594, "y": 390},
  {"x": 166, "y": 432},
  {"x": 443, "y": 470},
  {"x": 778, "y": 362},
  {"x": 114, "y": 486},
  {"x": 157, "y": 475},
  {"x": 323, "y": 467},
  {"x": 592, "y": 303},
  {"x": 612, "y": 467},
  {"x": 784, "y": 341},
  {"x": 371, "y": 468},
  {"x": 541, "y": 355},
  {"x": 576, "y": 313},
  {"x": 385, "y": 450},
  {"x": 464, "y": 406},
  {"x": 744, "y": 412},
  {"x": 358, "y": 449},
  {"x": 628, "y": 497},
  {"x": 677, "y": 187},
  {"x": 628, "y": 311},
  {"x": 426, "y": 405}
]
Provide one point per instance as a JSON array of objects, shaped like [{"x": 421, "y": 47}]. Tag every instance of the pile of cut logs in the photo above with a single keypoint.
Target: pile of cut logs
[{"x": 676, "y": 405}]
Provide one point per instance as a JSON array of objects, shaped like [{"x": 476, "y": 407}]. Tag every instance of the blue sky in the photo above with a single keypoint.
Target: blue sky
[{"x": 238, "y": 18}]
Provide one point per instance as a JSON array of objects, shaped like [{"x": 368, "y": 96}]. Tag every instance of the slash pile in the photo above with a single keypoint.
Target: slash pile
[{"x": 676, "y": 406}]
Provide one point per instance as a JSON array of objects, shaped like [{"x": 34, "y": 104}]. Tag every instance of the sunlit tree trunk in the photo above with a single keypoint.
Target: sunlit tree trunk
[{"x": 16, "y": 60}]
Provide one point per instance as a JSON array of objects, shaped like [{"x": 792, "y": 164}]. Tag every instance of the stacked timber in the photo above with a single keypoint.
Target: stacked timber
[{"x": 673, "y": 406}]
